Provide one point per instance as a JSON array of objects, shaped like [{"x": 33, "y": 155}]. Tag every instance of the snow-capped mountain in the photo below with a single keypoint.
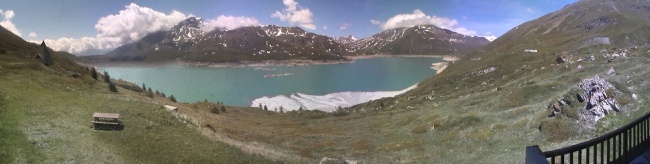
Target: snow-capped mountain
[
  {"x": 345, "y": 39},
  {"x": 417, "y": 40},
  {"x": 186, "y": 41},
  {"x": 490, "y": 38}
]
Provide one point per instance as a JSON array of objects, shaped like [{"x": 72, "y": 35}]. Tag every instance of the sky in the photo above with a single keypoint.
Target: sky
[{"x": 86, "y": 27}]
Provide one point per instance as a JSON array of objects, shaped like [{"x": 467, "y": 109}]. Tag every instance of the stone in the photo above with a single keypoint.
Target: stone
[
  {"x": 634, "y": 96},
  {"x": 591, "y": 58},
  {"x": 327, "y": 160},
  {"x": 580, "y": 98},
  {"x": 611, "y": 71},
  {"x": 579, "y": 67}
]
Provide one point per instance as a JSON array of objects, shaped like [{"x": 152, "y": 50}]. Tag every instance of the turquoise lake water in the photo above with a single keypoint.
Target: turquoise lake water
[{"x": 241, "y": 85}]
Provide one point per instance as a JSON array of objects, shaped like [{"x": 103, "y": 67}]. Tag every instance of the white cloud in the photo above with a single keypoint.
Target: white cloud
[
  {"x": 419, "y": 18},
  {"x": 32, "y": 34},
  {"x": 130, "y": 24},
  {"x": 344, "y": 26},
  {"x": 6, "y": 21},
  {"x": 229, "y": 22},
  {"x": 295, "y": 14},
  {"x": 133, "y": 23},
  {"x": 375, "y": 22},
  {"x": 324, "y": 27}
]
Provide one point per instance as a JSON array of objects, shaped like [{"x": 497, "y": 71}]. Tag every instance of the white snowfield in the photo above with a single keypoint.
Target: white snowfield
[{"x": 326, "y": 103}]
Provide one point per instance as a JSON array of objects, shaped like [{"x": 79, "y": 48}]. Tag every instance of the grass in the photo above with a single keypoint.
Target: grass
[{"x": 45, "y": 119}]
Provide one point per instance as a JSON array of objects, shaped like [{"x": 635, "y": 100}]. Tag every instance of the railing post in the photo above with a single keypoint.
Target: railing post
[
  {"x": 534, "y": 155},
  {"x": 625, "y": 146}
]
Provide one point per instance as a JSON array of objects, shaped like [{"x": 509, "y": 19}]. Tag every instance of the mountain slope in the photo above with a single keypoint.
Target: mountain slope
[
  {"x": 417, "y": 40},
  {"x": 501, "y": 99},
  {"x": 187, "y": 42},
  {"x": 45, "y": 113}
]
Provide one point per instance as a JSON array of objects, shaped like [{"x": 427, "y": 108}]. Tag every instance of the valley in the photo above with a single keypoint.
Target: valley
[{"x": 273, "y": 94}]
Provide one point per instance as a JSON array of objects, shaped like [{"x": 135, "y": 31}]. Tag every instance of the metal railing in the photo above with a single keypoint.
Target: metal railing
[{"x": 619, "y": 146}]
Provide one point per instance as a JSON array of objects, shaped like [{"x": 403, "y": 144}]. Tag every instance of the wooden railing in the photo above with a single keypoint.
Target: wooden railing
[{"x": 619, "y": 146}]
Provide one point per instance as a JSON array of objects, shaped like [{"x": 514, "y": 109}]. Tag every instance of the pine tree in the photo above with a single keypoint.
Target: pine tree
[
  {"x": 107, "y": 78},
  {"x": 149, "y": 93},
  {"x": 157, "y": 93},
  {"x": 300, "y": 109},
  {"x": 265, "y": 108},
  {"x": 112, "y": 87},
  {"x": 172, "y": 98},
  {"x": 260, "y": 106},
  {"x": 281, "y": 109},
  {"x": 93, "y": 73},
  {"x": 144, "y": 87},
  {"x": 223, "y": 108}
]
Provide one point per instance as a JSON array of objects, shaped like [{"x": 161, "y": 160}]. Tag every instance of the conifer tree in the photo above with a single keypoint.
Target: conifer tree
[
  {"x": 172, "y": 98},
  {"x": 223, "y": 108},
  {"x": 144, "y": 87},
  {"x": 107, "y": 78},
  {"x": 281, "y": 109},
  {"x": 265, "y": 108},
  {"x": 93, "y": 73},
  {"x": 260, "y": 106},
  {"x": 149, "y": 93}
]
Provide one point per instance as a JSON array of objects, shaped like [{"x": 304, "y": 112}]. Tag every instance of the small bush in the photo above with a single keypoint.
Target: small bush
[
  {"x": 214, "y": 110},
  {"x": 223, "y": 108},
  {"x": 112, "y": 87},
  {"x": 107, "y": 78},
  {"x": 171, "y": 98},
  {"x": 557, "y": 129},
  {"x": 93, "y": 73}
]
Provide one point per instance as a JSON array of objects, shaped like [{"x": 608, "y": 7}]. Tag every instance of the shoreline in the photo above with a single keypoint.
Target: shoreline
[
  {"x": 447, "y": 58},
  {"x": 265, "y": 63}
]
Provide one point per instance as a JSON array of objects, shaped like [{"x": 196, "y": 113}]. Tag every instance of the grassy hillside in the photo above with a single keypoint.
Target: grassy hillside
[{"x": 45, "y": 115}]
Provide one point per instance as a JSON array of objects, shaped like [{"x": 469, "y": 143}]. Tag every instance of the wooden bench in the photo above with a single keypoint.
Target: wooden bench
[{"x": 106, "y": 120}]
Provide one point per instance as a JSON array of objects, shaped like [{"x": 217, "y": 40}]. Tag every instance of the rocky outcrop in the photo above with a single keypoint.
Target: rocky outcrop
[
  {"x": 598, "y": 103},
  {"x": 587, "y": 103}
]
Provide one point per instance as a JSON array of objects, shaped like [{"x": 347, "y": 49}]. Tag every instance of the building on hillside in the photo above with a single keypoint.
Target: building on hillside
[
  {"x": 530, "y": 50},
  {"x": 44, "y": 55}
]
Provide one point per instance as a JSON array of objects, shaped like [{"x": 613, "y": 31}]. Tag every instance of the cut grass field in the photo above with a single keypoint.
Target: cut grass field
[{"x": 45, "y": 118}]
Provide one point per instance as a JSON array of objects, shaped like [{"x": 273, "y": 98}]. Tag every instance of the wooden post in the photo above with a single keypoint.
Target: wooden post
[{"x": 534, "y": 155}]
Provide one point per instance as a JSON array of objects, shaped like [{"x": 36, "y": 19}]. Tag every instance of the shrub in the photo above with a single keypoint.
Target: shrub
[
  {"x": 223, "y": 108},
  {"x": 112, "y": 87},
  {"x": 214, "y": 110},
  {"x": 93, "y": 73},
  {"x": 172, "y": 98},
  {"x": 107, "y": 78},
  {"x": 557, "y": 129}
]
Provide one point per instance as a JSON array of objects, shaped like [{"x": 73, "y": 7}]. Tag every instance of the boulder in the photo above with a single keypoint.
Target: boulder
[
  {"x": 611, "y": 71},
  {"x": 580, "y": 98}
]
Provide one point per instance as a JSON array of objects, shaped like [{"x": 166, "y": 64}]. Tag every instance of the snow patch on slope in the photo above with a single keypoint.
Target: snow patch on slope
[{"x": 326, "y": 103}]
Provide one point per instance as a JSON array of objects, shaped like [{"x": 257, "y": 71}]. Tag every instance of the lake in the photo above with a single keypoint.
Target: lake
[{"x": 241, "y": 85}]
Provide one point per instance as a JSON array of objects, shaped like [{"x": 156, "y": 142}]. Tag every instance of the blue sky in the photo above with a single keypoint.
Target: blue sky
[{"x": 82, "y": 25}]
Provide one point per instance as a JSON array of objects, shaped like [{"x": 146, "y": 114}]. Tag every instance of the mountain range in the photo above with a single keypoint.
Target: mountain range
[
  {"x": 524, "y": 88},
  {"x": 187, "y": 42}
]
